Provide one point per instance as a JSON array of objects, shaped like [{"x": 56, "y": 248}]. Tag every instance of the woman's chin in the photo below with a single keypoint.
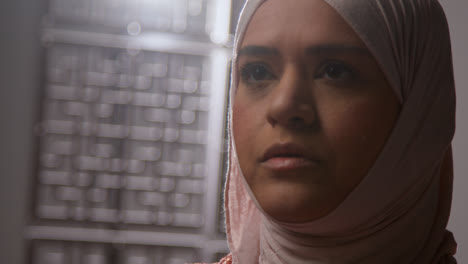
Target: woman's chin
[{"x": 288, "y": 204}]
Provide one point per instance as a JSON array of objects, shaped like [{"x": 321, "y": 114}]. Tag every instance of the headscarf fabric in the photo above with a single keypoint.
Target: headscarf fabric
[{"x": 398, "y": 213}]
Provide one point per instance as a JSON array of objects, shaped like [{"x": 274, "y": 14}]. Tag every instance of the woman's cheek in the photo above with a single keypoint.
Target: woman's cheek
[
  {"x": 239, "y": 124},
  {"x": 243, "y": 133},
  {"x": 358, "y": 132}
]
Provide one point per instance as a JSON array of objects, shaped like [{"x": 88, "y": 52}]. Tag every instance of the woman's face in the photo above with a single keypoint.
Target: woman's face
[{"x": 312, "y": 109}]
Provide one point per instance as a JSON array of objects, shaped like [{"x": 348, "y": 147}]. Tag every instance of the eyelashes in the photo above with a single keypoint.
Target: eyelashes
[
  {"x": 255, "y": 73},
  {"x": 331, "y": 71},
  {"x": 335, "y": 71}
]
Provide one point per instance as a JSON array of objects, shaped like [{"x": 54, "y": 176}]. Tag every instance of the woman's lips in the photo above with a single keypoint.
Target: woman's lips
[
  {"x": 288, "y": 163},
  {"x": 287, "y": 157}
]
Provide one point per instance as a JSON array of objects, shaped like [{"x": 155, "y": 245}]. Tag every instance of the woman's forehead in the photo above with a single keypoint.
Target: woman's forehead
[{"x": 298, "y": 23}]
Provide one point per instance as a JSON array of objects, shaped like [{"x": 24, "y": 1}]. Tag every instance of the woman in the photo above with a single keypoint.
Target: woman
[{"x": 342, "y": 116}]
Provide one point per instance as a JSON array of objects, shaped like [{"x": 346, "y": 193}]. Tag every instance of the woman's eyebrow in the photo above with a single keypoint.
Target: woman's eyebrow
[
  {"x": 258, "y": 51},
  {"x": 336, "y": 49},
  {"x": 254, "y": 50}
]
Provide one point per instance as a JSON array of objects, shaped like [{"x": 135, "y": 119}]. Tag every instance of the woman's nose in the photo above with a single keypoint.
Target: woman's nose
[{"x": 292, "y": 102}]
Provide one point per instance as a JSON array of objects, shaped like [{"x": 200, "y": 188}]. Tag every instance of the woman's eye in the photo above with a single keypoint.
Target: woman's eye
[
  {"x": 336, "y": 72},
  {"x": 255, "y": 73}
]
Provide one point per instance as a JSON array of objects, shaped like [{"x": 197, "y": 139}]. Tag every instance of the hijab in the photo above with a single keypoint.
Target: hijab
[{"x": 398, "y": 213}]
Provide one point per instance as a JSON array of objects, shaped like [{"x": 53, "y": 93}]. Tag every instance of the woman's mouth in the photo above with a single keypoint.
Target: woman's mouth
[{"x": 287, "y": 157}]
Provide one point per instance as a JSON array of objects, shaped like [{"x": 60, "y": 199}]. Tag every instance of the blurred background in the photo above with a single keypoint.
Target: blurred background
[{"x": 112, "y": 129}]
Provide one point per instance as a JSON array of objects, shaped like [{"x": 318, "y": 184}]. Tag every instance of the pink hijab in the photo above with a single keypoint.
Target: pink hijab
[{"x": 399, "y": 212}]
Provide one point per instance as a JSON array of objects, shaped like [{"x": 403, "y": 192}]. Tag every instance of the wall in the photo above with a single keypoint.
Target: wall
[
  {"x": 19, "y": 67},
  {"x": 457, "y": 11}
]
